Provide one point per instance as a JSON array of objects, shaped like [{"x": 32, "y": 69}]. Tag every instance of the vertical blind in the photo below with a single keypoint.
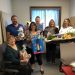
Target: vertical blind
[{"x": 46, "y": 14}]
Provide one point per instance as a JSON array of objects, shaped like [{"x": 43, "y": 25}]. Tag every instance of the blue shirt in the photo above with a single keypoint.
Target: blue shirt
[
  {"x": 40, "y": 27},
  {"x": 14, "y": 30}
]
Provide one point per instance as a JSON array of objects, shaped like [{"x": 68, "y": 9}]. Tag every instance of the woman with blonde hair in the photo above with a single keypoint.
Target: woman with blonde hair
[{"x": 51, "y": 47}]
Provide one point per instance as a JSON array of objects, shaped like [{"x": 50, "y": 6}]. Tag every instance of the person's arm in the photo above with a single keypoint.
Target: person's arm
[
  {"x": 61, "y": 31},
  {"x": 8, "y": 31},
  {"x": 45, "y": 31},
  {"x": 42, "y": 27}
]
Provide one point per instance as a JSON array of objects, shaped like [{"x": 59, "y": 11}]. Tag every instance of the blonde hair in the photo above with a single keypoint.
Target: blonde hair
[{"x": 9, "y": 37}]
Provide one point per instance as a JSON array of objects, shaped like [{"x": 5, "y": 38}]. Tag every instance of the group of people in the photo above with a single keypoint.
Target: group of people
[{"x": 19, "y": 44}]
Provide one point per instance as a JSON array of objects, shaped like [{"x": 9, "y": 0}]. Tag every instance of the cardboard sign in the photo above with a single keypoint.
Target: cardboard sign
[{"x": 37, "y": 45}]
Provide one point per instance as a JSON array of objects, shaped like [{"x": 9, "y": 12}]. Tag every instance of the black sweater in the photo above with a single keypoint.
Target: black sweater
[{"x": 12, "y": 55}]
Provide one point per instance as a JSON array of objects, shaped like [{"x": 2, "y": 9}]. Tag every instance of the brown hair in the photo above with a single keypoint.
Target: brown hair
[
  {"x": 37, "y": 17},
  {"x": 13, "y": 16},
  {"x": 33, "y": 23},
  {"x": 69, "y": 21}
]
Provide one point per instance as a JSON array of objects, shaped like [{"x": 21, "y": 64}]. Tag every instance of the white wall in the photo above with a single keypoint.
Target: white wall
[
  {"x": 72, "y": 8},
  {"x": 5, "y": 6},
  {"x": 21, "y": 7}
]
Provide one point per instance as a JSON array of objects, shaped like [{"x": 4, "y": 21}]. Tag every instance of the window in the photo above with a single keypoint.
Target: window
[{"x": 46, "y": 14}]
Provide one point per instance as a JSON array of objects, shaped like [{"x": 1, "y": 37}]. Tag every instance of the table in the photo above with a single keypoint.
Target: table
[{"x": 60, "y": 40}]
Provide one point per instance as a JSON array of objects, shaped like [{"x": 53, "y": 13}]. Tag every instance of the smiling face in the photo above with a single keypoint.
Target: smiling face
[
  {"x": 11, "y": 40},
  {"x": 33, "y": 27},
  {"x": 65, "y": 23},
  {"x": 37, "y": 20},
  {"x": 14, "y": 20},
  {"x": 52, "y": 23}
]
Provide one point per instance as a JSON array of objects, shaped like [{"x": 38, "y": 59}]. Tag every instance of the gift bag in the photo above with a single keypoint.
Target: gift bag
[
  {"x": 24, "y": 55},
  {"x": 37, "y": 45}
]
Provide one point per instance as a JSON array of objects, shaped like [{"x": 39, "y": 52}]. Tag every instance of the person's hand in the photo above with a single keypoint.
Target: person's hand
[
  {"x": 24, "y": 61},
  {"x": 29, "y": 56},
  {"x": 17, "y": 38}
]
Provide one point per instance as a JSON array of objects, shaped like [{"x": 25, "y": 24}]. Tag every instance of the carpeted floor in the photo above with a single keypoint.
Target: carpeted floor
[{"x": 49, "y": 68}]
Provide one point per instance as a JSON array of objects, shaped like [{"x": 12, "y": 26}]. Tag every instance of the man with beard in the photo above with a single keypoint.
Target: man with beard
[{"x": 17, "y": 30}]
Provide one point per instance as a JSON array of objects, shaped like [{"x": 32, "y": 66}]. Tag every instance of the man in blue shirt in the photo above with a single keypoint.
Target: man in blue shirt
[
  {"x": 16, "y": 29},
  {"x": 39, "y": 25}
]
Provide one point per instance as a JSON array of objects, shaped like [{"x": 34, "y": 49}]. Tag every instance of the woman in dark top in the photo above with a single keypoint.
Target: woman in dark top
[
  {"x": 51, "y": 29},
  {"x": 51, "y": 47},
  {"x": 12, "y": 54},
  {"x": 34, "y": 33}
]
